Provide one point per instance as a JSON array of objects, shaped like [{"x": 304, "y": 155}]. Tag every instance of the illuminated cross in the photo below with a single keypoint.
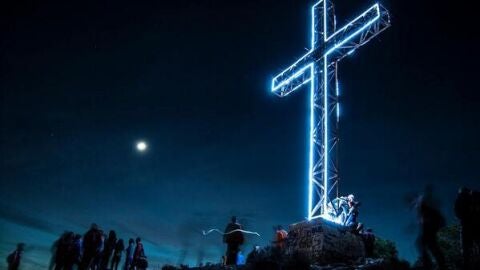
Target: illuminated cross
[{"x": 318, "y": 68}]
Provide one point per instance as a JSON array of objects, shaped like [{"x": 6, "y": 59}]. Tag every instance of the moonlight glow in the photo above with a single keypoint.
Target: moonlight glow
[{"x": 141, "y": 146}]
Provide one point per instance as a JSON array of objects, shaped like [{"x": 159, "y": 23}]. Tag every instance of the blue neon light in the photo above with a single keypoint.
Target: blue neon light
[{"x": 304, "y": 72}]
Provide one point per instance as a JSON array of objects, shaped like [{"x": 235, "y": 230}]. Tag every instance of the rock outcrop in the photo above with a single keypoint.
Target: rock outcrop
[{"x": 324, "y": 242}]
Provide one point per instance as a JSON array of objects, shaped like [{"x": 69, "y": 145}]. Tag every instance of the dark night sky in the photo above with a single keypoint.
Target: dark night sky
[{"x": 81, "y": 82}]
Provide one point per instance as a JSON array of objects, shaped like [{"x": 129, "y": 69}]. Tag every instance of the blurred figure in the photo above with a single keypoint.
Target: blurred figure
[
  {"x": 368, "y": 238},
  {"x": 97, "y": 260},
  {"x": 92, "y": 241},
  {"x": 14, "y": 259},
  {"x": 430, "y": 221},
  {"x": 109, "y": 246},
  {"x": 64, "y": 245},
  {"x": 129, "y": 254},
  {"x": 117, "y": 254},
  {"x": 281, "y": 236},
  {"x": 74, "y": 253},
  {"x": 139, "y": 258},
  {"x": 351, "y": 219},
  {"x": 234, "y": 239},
  {"x": 466, "y": 210}
]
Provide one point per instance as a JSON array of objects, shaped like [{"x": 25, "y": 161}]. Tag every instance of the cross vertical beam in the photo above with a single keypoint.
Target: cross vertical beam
[{"x": 318, "y": 67}]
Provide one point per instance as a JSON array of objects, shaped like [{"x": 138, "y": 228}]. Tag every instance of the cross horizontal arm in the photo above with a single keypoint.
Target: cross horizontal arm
[
  {"x": 357, "y": 33},
  {"x": 293, "y": 77}
]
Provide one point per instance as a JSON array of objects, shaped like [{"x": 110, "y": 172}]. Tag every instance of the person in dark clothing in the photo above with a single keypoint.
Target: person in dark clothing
[
  {"x": 129, "y": 254},
  {"x": 476, "y": 225},
  {"x": 431, "y": 221},
  {"x": 97, "y": 260},
  {"x": 234, "y": 239},
  {"x": 117, "y": 254},
  {"x": 108, "y": 249},
  {"x": 368, "y": 238},
  {"x": 139, "y": 258},
  {"x": 14, "y": 258},
  {"x": 64, "y": 258},
  {"x": 63, "y": 245},
  {"x": 467, "y": 210},
  {"x": 463, "y": 211},
  {"x": 74, "y": 252},
  {"x": 92, "y": 241}
]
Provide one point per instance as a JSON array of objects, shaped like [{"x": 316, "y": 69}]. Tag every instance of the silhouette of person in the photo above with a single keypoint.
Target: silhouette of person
[
  {"x": 92, "y": 241},
  {"x": 63, "y": 246},
  {"x": 117, "y": 254},
  {"x": 234, "y": 239},
  {"x": 368, "y": 238},
  {"x": 139, "y": 258},
  {"x": 463, "y": 211},
  {"x": 15, "y": 257},
  {"x": 74, "y": 252},
  {"x": 476, "y": 225},
  {"x": 430, "y": 221},
  {"x": 97, "y": 260},
  {"x": 108, "y": 249},
  {"x": 129, "y": 254}
]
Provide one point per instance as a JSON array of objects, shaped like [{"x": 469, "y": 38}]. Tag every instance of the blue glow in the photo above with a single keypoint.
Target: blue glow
[
  {"x": 337, "y": 92},
  {"x": 303, "y": 72}
]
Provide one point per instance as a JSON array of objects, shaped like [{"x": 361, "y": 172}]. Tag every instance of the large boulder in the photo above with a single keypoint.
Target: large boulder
[{"x": 324, "y": 242}]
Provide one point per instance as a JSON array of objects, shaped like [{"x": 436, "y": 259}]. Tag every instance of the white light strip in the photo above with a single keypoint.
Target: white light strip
[{"x": 310, "y": 66}]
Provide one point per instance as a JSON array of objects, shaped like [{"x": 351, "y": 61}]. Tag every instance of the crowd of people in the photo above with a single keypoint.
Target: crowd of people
[
  {"x": 92, "y": 251},
  {"x": 97, "y": 251}
]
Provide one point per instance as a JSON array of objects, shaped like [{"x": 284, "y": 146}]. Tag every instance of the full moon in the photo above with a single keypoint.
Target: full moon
[{"x": 141, "y": 146}]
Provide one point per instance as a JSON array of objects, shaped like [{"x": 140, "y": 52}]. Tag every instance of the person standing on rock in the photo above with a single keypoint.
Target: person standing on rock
[
  {"x": 281, "y": 236},
  {"x": 352, "y": 215},
  {"x": 233, "y": 237},
  {"x": 368, "y": 238}
]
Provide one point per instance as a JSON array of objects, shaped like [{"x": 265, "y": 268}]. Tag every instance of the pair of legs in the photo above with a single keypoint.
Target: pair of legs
[
  {"x": 232, "y": 252},
  {"x": 428, "y": 244},
  {"x": 470, "y": 239}
]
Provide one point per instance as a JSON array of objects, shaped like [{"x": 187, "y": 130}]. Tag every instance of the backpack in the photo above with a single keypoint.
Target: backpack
[{"x": 11, "y": 257}]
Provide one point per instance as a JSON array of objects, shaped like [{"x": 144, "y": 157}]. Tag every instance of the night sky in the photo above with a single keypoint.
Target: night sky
[{"x": 82, "y": 82}]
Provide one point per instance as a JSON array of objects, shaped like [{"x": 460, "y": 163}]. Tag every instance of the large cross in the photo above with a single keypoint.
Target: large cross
[{"x": 318, "y": 67}]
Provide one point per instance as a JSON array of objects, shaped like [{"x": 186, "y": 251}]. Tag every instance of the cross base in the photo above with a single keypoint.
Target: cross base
[{"x": 324, "y": 242}]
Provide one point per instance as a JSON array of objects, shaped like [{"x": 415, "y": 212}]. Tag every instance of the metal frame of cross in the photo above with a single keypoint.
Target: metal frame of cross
[{"x": 319, "y": 67}]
